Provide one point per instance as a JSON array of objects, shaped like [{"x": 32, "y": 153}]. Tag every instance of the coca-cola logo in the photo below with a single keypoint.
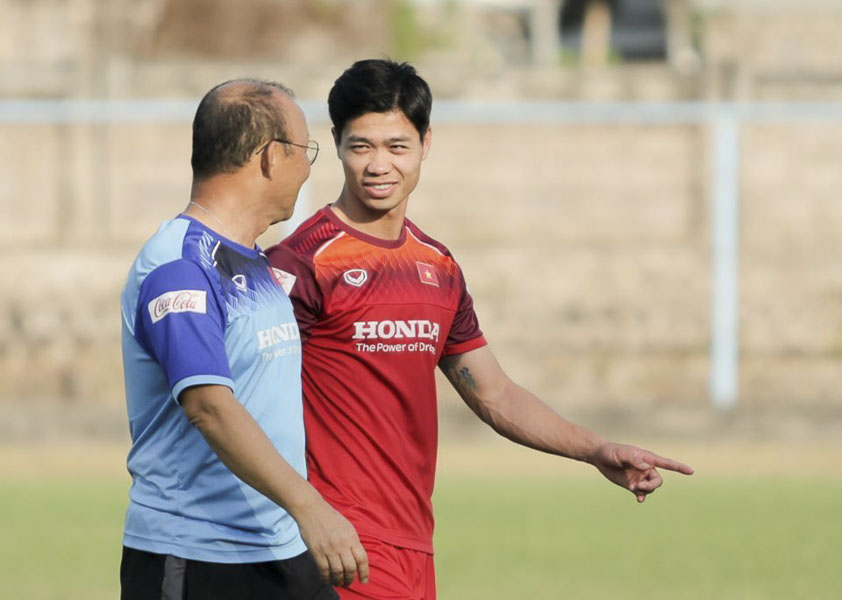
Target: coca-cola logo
[{"x": 177, "y": 301}]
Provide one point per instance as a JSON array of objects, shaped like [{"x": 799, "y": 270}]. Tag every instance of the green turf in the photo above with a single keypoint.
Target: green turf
[
  {"x": 61, "y": 540},
  {"x": 694, "y": 539},
  {"x": 506, "y": 538}
]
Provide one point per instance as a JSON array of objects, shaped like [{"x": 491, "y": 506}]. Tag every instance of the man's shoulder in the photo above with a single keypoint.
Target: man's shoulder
[
  {"x": 175, "y": 241},
  {"x": 163, "y": 265},
  {"x": 167, "y": 241},
  {"x": 421, "y": 237},
  {"x": 306, "y": 241}
]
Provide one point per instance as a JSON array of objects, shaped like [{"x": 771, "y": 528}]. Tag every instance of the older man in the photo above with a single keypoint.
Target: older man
[{"x": 219, "y": 504}]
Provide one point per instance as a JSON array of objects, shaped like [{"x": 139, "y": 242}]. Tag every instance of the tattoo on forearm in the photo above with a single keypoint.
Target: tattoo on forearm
[
  {"x": 460, "y": 377},
  {"x": 466, "y": 379}
]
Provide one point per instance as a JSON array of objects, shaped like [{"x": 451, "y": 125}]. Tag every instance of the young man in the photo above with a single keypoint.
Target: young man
[
  {"x": 380, "y": 305},
  {"x": 219, "y": 504}
]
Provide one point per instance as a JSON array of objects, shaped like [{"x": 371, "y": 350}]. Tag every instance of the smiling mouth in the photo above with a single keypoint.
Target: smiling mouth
[{"x": 380, "y": 191}]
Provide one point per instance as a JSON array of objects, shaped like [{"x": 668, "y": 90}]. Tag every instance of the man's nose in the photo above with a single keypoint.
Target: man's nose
[{"x": 379, "y": 163}]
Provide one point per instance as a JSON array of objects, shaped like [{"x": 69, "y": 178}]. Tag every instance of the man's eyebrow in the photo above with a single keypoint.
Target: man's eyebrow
[{"x": 391, "y": 140}]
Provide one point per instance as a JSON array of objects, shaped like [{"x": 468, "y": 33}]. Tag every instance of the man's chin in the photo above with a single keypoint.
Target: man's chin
[
  {"x": 281, "y": 219},
  {"x": 381, "y": 206}
]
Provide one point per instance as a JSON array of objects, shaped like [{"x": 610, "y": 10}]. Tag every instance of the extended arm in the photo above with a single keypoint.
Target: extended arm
[
  {"x": 522, "y": 417},
  {"x": 245, "y": 449}
]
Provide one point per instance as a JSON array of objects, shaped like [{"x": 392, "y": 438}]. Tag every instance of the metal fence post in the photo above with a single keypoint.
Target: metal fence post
[{"x": 724, "y": 374}]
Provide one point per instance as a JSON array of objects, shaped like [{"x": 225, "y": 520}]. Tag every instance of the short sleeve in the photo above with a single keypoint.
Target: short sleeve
[
  {"x": 465, "y": 334},
  {"x": 298, "y": 279},
  {"x": 180, "y": 322}
]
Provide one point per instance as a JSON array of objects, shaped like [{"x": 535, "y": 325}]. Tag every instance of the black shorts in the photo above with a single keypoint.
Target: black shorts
[{"x": 148, "y": 576}]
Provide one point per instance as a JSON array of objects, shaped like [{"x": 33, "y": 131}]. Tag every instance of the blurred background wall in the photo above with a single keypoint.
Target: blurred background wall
[{"x": 586, "y": 239}]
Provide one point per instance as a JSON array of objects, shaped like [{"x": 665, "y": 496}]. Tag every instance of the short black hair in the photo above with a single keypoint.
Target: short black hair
[
  {"x": 233, "y": 119},
  {"x": 380, "y": 85}
]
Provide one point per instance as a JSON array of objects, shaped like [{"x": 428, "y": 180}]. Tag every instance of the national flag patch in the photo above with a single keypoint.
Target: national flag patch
[{"x": 427, "y": 273}]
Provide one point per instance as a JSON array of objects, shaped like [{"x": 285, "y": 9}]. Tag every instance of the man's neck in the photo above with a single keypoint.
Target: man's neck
[
  {"x": 212, "y": 206},
  {"x": 382, "y": 225}
]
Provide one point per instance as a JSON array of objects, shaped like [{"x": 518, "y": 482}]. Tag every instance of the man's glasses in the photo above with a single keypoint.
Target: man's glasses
[{"x": 311, "y": 148}]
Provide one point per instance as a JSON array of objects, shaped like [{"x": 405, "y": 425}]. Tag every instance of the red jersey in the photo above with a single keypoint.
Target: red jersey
[{"x": 376, "y": 316}]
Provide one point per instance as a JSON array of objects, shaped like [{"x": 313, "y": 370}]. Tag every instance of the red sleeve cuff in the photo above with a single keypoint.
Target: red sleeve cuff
[{"x": 462, "y": 347}]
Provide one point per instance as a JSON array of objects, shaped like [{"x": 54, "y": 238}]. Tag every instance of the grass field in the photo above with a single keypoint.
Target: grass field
[{"x": 507, "y": 527}]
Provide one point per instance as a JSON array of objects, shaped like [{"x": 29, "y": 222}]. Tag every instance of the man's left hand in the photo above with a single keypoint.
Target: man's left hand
[{"x": 634, "y": 468}]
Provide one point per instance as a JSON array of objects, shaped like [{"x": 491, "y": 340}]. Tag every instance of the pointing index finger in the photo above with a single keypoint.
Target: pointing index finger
[{"x": 671, "y": 465}]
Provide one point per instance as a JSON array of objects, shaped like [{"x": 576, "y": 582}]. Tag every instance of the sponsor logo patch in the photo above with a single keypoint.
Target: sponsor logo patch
[
  {"x": 427, "y": 273},
  {"x": 355, "y": 277},
  {"x": 177, "y": 301},
  {"x": 397, "y": 336},
  {"x": 284, "y": 279},
  {"x": 271, "y": 336},
  {"x": 414, "y": 329}
]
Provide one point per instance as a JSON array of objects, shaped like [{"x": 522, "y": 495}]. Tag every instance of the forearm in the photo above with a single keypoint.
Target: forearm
[
  {"x": 522, "y": 417},
  {"x": 244, "y": 448},
  {"x": 515, "y": 412}
]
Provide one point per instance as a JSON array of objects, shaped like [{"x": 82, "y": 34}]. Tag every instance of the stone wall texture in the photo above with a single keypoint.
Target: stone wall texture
[{"x": 586, "y": 245}]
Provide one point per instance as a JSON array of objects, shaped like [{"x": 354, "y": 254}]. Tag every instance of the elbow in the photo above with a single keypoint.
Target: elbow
[
  {"x": 196, "y": 416},
  {"x": 202, "y": 411}
]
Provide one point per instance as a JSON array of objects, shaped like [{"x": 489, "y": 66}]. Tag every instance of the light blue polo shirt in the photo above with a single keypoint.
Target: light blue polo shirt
[{"x": 198, "y": 308}]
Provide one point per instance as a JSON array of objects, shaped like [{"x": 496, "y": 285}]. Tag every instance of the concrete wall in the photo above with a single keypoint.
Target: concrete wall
[{"x": 586, "y": 248}]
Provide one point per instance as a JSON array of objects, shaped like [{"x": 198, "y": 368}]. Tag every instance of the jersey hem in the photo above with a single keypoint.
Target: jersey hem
[{"x": 236, "y": 555}]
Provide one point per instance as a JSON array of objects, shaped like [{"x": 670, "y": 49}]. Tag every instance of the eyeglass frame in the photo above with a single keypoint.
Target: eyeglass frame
[{"x": 310, "y": 145}]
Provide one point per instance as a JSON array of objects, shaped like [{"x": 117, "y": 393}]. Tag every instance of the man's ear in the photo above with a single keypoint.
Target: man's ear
[
  {"x": 425, "y": 142},
  {"x": 268, "y": 159},
  {"x": 337, "y": 138}
]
